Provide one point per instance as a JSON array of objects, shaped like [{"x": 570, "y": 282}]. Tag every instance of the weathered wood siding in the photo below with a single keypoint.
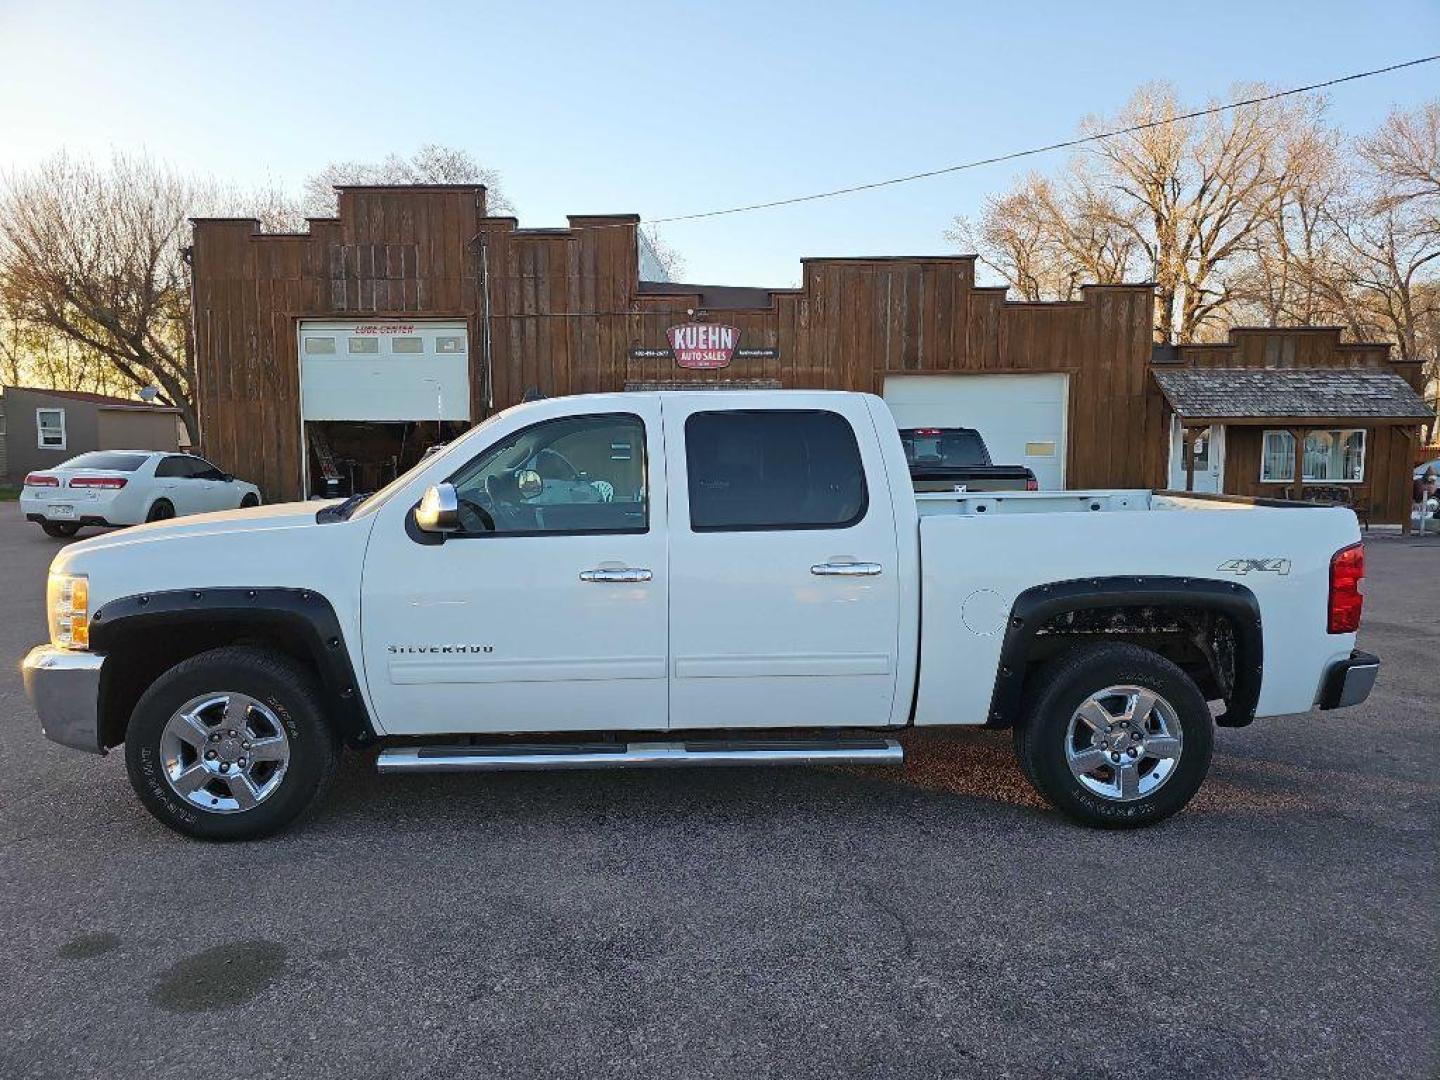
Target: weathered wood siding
[
  {"x": 1389, "y": 448},
  {"x": 565, "y": 311}
]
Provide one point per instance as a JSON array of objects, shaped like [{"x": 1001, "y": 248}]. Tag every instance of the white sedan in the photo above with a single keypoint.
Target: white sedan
[{"x": 127, "y": 487}]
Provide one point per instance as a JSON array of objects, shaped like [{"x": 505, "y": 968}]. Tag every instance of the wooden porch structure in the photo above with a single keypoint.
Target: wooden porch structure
[{"x": 1247, "y": 402}]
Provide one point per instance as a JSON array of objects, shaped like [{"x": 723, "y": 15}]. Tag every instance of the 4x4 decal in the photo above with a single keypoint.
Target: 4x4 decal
[{"x": 1246, "y": 566}]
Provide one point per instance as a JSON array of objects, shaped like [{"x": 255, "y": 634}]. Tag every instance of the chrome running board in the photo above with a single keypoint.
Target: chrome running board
[{"x": 640, "y": 755}]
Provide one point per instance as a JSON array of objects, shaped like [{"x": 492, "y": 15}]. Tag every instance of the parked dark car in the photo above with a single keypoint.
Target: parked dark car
[{"x": 947, "y": 459}]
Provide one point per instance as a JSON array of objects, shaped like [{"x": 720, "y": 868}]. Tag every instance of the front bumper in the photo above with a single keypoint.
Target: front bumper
[
  {"x": 1348, "y": 682},
  {"x": 64, "y": 687}
]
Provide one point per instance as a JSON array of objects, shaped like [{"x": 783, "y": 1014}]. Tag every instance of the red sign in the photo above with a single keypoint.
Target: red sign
[{"x": 703, "y": 345}]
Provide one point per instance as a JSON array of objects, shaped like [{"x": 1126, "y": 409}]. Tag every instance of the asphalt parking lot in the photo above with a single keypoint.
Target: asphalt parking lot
[{"x": 792, "y": 923}]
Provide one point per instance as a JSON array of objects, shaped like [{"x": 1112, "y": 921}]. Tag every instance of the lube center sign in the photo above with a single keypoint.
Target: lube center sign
[{"x": 703, "y": 347}]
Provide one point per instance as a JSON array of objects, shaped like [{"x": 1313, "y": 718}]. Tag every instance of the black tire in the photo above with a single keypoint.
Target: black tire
[
  {"x": 160, "y": 510},
  {"x": 249, "y": 500},
  {"x": 60, "y": 529},
  {"x": 1058, "y": 690},
  {"x": 282, "y": 686}
]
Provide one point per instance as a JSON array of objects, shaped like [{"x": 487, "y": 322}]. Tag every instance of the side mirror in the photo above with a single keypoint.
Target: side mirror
[
  {"x": 439, "y": 510},
  {"x": 529, "y": 484},
  {"x": 229, "y": 478}
]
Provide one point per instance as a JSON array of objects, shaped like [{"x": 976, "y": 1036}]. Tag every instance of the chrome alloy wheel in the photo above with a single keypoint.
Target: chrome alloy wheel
[
  {"x": 224, "y": 752},
  {"x": 1123, "y": 743}
]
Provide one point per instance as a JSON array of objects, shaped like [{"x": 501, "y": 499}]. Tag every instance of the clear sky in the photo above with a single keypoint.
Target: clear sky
[{"x": 661, "y": 109}]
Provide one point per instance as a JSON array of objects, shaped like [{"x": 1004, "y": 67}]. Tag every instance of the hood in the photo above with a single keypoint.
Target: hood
[
  {"x": 226, "y": 522},
  {"x": 269, "y": 547}
]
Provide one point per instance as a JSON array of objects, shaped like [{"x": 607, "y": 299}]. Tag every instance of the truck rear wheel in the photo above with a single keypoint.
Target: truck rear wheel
[
  {"x": 230, "y": 745},
  {"x": 1115, "y": 736}
]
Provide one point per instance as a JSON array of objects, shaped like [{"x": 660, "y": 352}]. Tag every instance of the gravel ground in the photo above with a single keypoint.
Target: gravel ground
[{"x": 793, "y": 923}]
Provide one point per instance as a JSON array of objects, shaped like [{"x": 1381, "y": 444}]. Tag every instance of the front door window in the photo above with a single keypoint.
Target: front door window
[{"x": 578, "y": 474}]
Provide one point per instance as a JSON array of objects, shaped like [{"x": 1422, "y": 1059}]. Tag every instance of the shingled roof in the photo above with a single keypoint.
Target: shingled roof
[{"x": 1338, "y": 393}]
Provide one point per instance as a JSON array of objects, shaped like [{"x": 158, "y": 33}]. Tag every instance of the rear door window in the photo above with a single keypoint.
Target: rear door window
[
  {"x": 101, "y": 459},
  {"x": 943, "y": 448},
  {"x": 773, "y": 469}
]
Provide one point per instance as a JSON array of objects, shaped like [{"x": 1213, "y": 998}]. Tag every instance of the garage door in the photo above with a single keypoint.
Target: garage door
[
  {"x": 384, "y": 371},
  {"x": 1020, "y": 417}
]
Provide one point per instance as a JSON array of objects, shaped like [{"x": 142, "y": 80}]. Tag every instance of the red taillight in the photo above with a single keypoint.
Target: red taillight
[
  {"x": 98, "y": 482},
  {"x": 927, "y": 431},
  {"x": 36, "y": 479},
  {"x": 1032, "y": 484},
  {"x": 1347, "y": 570}
]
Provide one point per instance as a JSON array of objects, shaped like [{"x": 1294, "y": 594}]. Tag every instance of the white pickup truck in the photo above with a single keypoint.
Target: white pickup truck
[{"x": 668, "y": 579}]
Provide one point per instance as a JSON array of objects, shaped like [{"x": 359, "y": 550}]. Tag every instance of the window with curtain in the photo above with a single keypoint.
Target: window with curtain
[
  {"x": 50, "y": 426},
  {"x": 1336, "y": 456}
]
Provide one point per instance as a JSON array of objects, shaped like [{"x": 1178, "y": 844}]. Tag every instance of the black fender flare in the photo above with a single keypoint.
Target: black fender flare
[
  {"x": 1036, "y": 606},
  {"x": 304, "y": 614}
]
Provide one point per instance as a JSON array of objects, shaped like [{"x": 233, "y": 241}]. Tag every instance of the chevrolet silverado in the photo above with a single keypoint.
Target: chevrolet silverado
[{"x": 691, "y": 578}]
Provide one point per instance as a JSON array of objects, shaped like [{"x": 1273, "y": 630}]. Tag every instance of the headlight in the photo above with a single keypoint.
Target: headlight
[{"x": 67, "y": 603}]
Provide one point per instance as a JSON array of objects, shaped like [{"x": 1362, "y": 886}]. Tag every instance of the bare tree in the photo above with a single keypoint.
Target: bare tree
[
  {"x": 431, "y": 164},
  {"x": 92, "y": 255},
  {"x": 1015, "y": 238},
  {"x": 93, "y": 280},
  {"x": 35, "y": 356},
  {"x": 1181, "y": 201},
  {"x": 1046, "y": 240},
  {"x": 1406, "y": 150},
  {"x": 1359, "y": 243},
  {"x": 277, "y": 209},
  {"x": 16, "y": 344},
  {"x": 1282, "y": 277},
  {"x": 1390, "y": 233},
  {"x": 669, "y": 258},
  {"x": 1204, "y": 188}
]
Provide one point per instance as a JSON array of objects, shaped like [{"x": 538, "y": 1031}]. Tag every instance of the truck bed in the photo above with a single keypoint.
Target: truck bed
[
  {"x": 973, "y": 574},
  {"x": 970, "y": 503}
]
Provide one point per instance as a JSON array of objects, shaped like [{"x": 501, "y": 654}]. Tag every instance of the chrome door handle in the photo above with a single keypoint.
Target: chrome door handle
[
  {"x": 846, "y": 569},
  {"x": 627, "y": 573}
]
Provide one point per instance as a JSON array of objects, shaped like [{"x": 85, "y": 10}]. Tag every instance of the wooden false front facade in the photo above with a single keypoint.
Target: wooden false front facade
[{"x": 563, "y": 311}]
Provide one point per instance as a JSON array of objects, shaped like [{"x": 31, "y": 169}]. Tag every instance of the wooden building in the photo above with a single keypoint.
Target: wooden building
[
  {"x": 331, "y": 358},
  {"x": 1250, "y": 415}
]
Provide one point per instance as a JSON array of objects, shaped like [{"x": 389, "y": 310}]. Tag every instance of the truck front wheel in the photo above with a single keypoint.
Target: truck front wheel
[
  {"x": 1114, "y": 736},
  {"x": 231, "y": 744}
]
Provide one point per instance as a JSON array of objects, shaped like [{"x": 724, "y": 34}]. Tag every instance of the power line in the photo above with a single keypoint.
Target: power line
[{"x": 1065, "y": 145}]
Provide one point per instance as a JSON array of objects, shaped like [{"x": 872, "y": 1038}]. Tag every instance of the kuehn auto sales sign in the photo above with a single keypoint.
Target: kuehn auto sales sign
[{"x": 703, "y": 347}]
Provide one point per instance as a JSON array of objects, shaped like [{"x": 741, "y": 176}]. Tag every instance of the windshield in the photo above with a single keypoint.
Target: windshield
[
  {"x": 360, "y": 506},
  {"x": 102, "y": 459},
  {"x": 943, "y": 448}
]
